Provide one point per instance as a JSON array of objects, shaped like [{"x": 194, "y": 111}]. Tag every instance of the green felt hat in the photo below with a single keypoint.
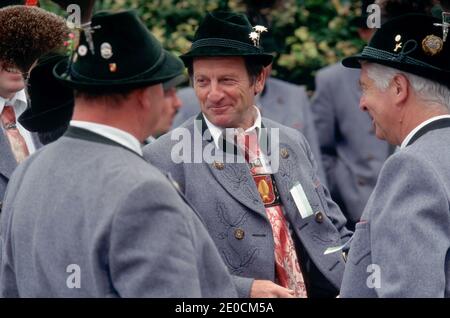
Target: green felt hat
[
  {"x": 122, "y": 54},
  {"x": 410, "y": 43},
  {"x": 226, "y": 34}
]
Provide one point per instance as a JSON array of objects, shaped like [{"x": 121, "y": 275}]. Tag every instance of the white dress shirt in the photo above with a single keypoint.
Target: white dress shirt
[
  {"x": 19, "y": 104},
  {"x": 216, "y": 132},
  {"x": 118, "y": 135}
]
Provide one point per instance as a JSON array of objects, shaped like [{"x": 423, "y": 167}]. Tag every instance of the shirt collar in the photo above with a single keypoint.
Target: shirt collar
[
  {"x": 415, "y": 130},
  {"x": 115, "y": 134},
  {"x": 216, "y": 132},
  {"x": 19, "y": 102}
]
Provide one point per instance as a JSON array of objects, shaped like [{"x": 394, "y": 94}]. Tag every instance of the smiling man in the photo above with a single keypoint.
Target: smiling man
[
  {"x": 401, "y": 244},
  {"x": 271, "y": 226}
]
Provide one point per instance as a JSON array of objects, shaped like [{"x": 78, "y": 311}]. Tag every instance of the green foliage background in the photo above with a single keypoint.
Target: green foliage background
[{"x": 311, "y": 33}]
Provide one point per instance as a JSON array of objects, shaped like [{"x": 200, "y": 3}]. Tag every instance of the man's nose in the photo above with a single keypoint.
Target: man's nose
[{"x": 216, "y": 93}]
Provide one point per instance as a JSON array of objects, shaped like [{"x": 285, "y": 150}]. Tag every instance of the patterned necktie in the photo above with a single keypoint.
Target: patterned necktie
[
  {"x": 287, "y": 266},
  {"x": 18, "y": 145}
]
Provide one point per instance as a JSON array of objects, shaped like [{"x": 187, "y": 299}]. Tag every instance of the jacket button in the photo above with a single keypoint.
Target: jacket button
[
  {"x": 284, "y": 153},
  {"x": 218, "y": 165},
  {"x": 319, "y": 217},
  {"x": 239, "y": 234}
]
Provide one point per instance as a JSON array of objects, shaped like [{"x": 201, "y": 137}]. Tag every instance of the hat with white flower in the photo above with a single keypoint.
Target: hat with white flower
[{"x": 226, "y": 33}]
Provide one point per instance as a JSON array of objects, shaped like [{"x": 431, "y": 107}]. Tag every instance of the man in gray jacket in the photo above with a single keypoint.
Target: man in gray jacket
[
  {"x": 401, "y": 246},
  {"x": 253, "y": 180},
  {"x": 87, "y": 216}
]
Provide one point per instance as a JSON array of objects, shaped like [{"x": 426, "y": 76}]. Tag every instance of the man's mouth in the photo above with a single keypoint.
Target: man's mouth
[{"x": 12, "y": 70}]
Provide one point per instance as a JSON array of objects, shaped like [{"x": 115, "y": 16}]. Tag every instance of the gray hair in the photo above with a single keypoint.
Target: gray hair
[{"x": 430, "y": 92}]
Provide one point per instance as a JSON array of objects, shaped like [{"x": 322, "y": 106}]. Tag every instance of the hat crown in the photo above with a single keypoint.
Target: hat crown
[
  {"x": 405, "y": 35},
  {"x": 225, "y": 25},
  {"x": 120, "y": 39},
  {"x": 118, "y": 51},
  {"x": 226, "y": 33},
  {"x": 411, "y": 43}
]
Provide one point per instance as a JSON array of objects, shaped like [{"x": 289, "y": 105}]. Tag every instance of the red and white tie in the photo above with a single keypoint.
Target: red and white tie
[{"x": 18, "y": 145}]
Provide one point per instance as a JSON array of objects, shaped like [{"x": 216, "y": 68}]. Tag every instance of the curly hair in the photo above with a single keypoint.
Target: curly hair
[{"x": 26, "y": 33}]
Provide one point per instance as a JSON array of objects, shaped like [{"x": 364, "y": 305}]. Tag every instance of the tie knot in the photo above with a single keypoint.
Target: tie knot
[
  {"x": 8, "y": 117},
  {"x": 248, "y": 142}
]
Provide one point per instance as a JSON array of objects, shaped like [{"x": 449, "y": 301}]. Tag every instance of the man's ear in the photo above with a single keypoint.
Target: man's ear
[
  {"x": 260, "y": 81},
  {"x": 142, "y": 96},
  {"x": 400, "y": 88}
]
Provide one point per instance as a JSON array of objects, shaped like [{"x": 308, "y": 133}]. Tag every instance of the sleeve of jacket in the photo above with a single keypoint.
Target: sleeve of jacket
[
  {"x": 409, "y": 229},
  {"x": 243, "y": 285},
  {"x": 8, "y": 283},
  {"x": 334, "y": 212}
]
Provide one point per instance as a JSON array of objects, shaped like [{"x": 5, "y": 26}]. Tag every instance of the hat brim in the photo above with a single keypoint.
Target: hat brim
[
  {"x": 439, "y": 76},
  {"x": 48, "y": 120},
  {"x": 174, "y": 81},
  {"x": 170, "y": 68},
  {"x": 263, "y": 58}
]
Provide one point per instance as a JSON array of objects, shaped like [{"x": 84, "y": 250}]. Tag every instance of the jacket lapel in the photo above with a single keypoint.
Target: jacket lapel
[
  {"x": 36, "y": 141},
  {"x": 232, "y": 172}
]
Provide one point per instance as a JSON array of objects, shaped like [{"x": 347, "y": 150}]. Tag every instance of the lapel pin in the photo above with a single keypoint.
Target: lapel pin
[
  {"x": 398, "y": 44},
  {"x": 106, "y": 50},
  {"x": 82, "y": 50},
  {"x": 445, "y": 25},
  {"x": 112, "y": 67},
  {"x": 432, "y": 45}
]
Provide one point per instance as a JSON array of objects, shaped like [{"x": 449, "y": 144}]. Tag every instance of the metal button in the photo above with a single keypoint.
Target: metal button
[
  {"x": 218, "y": 165},
  {"x": 319, "y": 217},
  {"x": 239, "y": 234},
  {"x": 284, "y": 153}
]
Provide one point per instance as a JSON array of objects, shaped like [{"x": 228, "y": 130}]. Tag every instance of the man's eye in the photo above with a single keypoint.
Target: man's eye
[
  {"x": 228, "y": 81},
  {"x": 200, "y": 81}
]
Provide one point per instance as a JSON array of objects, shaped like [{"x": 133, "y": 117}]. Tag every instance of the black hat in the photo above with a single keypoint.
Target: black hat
[
  {"x": 411, "y": 43},
  {"x": 125, "y": 56},
  {"x": 51, "y": 102},
  {"x": 227, "y": 34}
]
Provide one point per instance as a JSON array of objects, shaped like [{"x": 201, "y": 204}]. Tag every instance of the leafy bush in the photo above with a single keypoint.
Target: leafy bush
[{"x": 311, "y": 33}]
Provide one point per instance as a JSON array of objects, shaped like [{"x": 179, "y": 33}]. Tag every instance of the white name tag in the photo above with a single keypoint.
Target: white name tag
[{"x": 301, "y": 201}]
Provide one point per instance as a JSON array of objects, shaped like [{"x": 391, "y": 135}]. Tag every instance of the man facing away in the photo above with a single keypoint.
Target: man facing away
[{"x": 86, "y": 216}]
